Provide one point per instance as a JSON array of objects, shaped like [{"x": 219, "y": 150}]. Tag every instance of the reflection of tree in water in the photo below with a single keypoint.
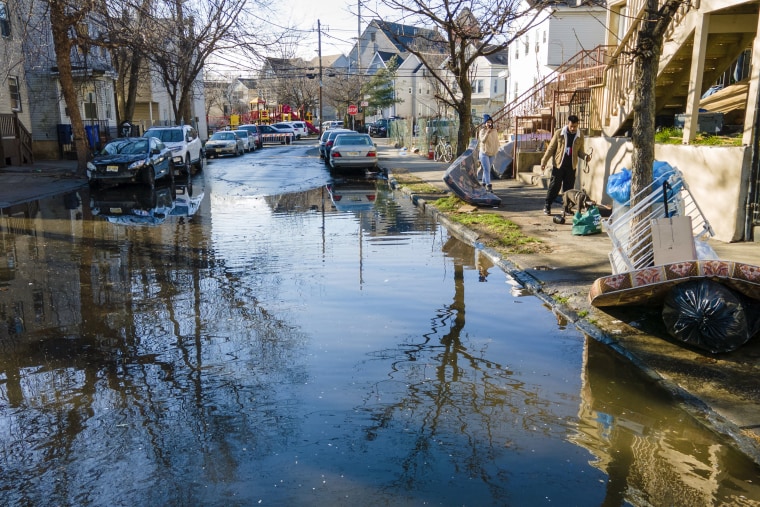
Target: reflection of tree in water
[
  {"x": 170, "y": 352},
  {"x": 467, "y": 408},
  {"x": 653, "y": 452}
]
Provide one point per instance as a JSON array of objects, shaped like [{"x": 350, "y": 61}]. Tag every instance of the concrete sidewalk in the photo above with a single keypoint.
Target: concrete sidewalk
[{"x": 719, "y": 390}]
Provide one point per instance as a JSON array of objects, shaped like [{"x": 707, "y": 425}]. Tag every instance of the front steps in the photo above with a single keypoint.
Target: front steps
[{"x": 535, "y": 177}]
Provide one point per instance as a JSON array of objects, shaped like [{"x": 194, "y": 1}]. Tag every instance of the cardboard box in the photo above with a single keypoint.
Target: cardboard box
[{"x": 672, "y": 240}]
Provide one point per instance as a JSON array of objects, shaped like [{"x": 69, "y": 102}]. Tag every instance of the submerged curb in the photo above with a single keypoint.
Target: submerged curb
[{"x": 687, "y": 401}]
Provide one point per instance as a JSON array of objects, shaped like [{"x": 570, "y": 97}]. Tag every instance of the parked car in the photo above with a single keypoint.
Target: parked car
[
  {"x": 329, "y": 140},
  {"x": 284, "y": 127},
  {"x": 253, "y": 132},
  {"x": 381, "y": 127},
  {"x": 224, "y": 142},
  {"x": 333, "y": 124},
  {"x": 247, "y": 141},
  {"x": 353, "y": 151},
  {"x": 299, "y": 128},
  {"x": 186, "y": 146},
  {"x": 271, "y": 134},
  {"x": 131, "y": 160}
]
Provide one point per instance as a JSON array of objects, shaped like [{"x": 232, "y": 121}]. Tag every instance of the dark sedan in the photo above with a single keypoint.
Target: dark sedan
[{"x": 131, "y": 159}]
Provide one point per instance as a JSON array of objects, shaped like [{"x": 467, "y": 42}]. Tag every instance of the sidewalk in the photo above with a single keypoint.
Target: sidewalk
[
  {"x": 39, "y": 180},
  {"x": 719, "y": 390}
]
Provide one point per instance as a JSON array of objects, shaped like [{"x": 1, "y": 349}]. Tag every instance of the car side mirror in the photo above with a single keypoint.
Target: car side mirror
[{"x": 155, "y": 151}]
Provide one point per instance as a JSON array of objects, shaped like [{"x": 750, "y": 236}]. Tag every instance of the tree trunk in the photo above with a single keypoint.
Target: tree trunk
[{"x": 60, "y": 26}]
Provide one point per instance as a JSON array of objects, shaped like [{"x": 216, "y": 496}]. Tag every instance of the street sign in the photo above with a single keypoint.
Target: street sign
[
  {"x": 352, "y": 109},
  {"x": 364, "y": 103}
]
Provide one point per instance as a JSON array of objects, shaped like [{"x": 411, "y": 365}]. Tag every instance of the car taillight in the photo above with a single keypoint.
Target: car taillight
[
  {"x": 370, "y": 197},
  {"x": 335, "y": 154},
  {"x": 372, "y": 154},
  {"x": 337, "y": 197}
]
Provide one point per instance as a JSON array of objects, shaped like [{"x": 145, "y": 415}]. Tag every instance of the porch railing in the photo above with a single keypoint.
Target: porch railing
[
  {"x": 616, "y": 87},
  {"x": 12, "y": 127}
]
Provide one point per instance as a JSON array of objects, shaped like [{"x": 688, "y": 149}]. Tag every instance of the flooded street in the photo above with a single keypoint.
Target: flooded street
[{"x": 274, "y": 335}]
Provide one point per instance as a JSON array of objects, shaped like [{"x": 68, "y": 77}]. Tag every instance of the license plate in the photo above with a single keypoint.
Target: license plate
[
  {"x": 114, "y": 210},
  {"x": 353, "y": 153},
  {"x": 112, "y": 168},
  {"x": 218, "y": 150}
]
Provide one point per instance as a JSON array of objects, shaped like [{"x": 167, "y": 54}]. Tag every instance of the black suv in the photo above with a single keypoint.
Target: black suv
[{"x": 381, "y": 126}]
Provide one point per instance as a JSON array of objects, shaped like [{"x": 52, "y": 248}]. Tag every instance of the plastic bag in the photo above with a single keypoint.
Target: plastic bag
[
  {"x": 707, "y": 315},
  {"x": 588, "y": 222},
  {"x": 619, "y": 186}
]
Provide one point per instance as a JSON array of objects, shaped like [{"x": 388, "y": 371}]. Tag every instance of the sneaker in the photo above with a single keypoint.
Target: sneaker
[
  {"x": 489, "y": 187},
  {"x": 547, "y": 210}
]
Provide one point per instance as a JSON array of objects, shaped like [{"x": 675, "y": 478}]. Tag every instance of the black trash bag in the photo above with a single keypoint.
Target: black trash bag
[{"x": 707, "y": 315}]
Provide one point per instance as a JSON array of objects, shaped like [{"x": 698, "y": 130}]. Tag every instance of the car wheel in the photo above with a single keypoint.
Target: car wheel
[
  {"x": 187, "y": 168},
  {"x": 149, "y": 176}
]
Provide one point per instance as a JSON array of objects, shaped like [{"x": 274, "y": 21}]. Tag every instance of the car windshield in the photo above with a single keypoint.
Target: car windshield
[
  {"x": 242, "y": 133},
  {"x": 355, "y": 140},
  {"x": 166, "y": 135},
  {"x": 125, "y": 147},
  {"x": 223, "y": 136}
]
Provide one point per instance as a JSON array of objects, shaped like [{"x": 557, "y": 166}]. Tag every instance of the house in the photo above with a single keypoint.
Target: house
[
  {"x": 561, "y": 31},
  {"x": 94, "y": 77},
  {"x": 488, "y": 83},
  {"x": 384, "y": 37},
  {"x": 15, "y": 121},
  {"x": 416, "y": 89}
]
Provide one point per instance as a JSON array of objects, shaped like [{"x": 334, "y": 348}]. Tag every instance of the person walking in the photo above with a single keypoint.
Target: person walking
[
  {"x": 564, "y": 150},
  {"x": 489, "y": 146}
]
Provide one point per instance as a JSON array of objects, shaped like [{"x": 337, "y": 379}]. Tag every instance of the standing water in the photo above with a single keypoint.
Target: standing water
[{"x": 331, "y": 346}]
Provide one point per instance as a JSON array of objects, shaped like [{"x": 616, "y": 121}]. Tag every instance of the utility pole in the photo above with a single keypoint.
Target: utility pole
[
  {"x": 319, "y": 52},
  {"x": 359, "y": 38}
]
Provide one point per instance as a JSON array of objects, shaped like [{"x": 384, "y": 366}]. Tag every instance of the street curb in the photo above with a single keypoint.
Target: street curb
[{"x": 688, "y": 402}]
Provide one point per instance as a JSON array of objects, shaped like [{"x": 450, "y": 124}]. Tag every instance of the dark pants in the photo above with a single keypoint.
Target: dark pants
[{"x": 561, "y": 178}]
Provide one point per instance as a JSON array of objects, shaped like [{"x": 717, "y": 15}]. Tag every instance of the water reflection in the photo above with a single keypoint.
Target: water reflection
[
  {"x": 649, "y": 451},
  {"x": 230, "y": 355}
]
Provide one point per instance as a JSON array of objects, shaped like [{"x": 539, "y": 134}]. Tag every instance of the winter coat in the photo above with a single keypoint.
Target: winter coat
[
  {"x": 489, "y": 141},
  {"x": 556, "y": 149}
]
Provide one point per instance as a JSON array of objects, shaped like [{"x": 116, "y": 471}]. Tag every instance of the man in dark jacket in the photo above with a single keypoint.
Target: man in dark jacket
[{"x": 564, "y": 150}]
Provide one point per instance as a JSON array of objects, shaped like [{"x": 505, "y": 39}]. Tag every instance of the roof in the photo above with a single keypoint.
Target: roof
[
  {"x": 498, "y": 58},
  {"x": 247, "y": 82},
  {"x": 386, "y": 56},
  {"x": 403, "y": 36}
]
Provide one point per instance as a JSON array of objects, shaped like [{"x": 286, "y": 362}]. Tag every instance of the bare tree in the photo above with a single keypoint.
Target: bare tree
[
  {"x": 65, "y": 18},
  {"x": 341, "y": 90},
  {"x": 647, "y": 60},
  {"x": 464, "y": 31}
]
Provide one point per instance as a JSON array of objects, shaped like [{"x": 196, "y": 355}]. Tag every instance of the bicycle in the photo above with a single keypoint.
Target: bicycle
[{"x": 443, "y": 151}]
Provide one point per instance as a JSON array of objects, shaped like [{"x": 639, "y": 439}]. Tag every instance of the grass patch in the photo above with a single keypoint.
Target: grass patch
[
  {"x": 414, "y": 184},
  {"x": 582, "y": 313},
  {"x": 673, "y": 135},
  {"x": 494, "y": 230}
]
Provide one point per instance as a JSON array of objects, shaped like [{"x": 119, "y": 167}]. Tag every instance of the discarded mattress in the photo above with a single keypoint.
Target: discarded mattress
[
  {"x": 462, "y": 178},
  {"x": 503, "y": 159}
]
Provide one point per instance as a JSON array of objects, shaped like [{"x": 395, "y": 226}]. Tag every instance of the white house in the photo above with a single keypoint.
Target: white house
[
  {"x": 562, "y": 31},
  {"x": 489, "y": 84}
]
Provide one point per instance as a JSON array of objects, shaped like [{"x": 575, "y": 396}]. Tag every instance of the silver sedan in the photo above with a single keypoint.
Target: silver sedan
[{"x": 353, "y": 151}]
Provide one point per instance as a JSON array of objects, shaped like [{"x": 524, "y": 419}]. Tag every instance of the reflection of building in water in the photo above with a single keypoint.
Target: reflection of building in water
[
  {"x": 37, "y": 291},
  {"x": 653, "y": 453}
]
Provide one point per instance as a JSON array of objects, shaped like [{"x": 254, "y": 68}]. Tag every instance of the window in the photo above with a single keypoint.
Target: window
[
  {"x": 90, "y": 107},
  {"x": 544, "y": 36},
  {"x": 517, "y": 51},
  {"x": 15, "y": 92},
  {"x": 5, "y": 20},
  {"x": 495, "y": 85},
  {"x": 477, "y": 86}
]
